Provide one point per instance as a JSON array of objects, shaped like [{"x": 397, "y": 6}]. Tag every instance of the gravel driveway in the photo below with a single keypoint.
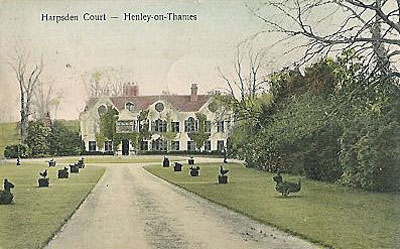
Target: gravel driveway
[{"x": 130, "y": 208}]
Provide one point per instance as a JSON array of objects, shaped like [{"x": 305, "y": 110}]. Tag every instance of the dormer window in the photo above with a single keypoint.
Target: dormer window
[
  {"x": 159, "y": 107},
  {"x": 130, "y": 106},
  {"x": 213, "y": 106},
  {"x": 102, "y": 109}
]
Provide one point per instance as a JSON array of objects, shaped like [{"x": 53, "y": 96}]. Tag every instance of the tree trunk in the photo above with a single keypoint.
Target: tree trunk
[
  {"x": 379, "y": 49},
  {"x": 24, "y": 119}
]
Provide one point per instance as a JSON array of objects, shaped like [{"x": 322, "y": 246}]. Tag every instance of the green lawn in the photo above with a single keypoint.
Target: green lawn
[
  {"x": 328, "y": 214},
  {"x": 38, "y": 213},
  {"x": 8, "y": 136},
  {"x": 74, "y": 125},
  {"x": 119, "y": 159}
]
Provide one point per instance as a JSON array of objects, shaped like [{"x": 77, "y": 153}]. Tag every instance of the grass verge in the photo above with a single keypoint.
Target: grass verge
[
  {"x": 38, "y": 213},
  {"x": 119, "y": 159},
  {"x": 327, "y": 214}
]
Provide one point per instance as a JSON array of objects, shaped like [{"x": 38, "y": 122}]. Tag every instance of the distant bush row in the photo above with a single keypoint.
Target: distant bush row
[
  {"x": 148, "y": 152},
  {"x": 97, "y": 153},
  {"x": 182, "y": 152},
  {"x": 42, "y": 141}
]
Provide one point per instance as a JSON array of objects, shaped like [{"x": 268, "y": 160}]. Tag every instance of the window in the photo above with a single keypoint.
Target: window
[
  {"x": 102, "y": 109},
  {"x": 208, "y": 126},
  {"x": 159, "y": 107},
  {"x": 191, "y": 146},
  {"x": 175, "y": 126},
  {"x": 220, "y": 145},
  {"x": 207, "y": 145},
  {"x": 220, "y": 126},
  {"x": 92, "y": 145},
  {"x": 228, "y": 125},
  {"x": 126, "y": 126},
  {"x": 108, "y": 146},
  {"x": 213, "y": 106},
  {"x": 190, "y": 125},
  {"x": 144, "y": 145},
  {"x": 130, "y": 106},
  {"x": 160, "y": 126},
  {"x": 159, "y": 145},
  {"x": 175, "y": 145}
]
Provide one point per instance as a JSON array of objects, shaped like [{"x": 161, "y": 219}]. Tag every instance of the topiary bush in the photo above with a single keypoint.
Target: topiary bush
[
  {"x": 13, "y": 151},
  {"x": 6, "y": 197}
]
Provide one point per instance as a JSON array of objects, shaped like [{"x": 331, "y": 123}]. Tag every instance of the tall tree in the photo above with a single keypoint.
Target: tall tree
[
  {"x": 44, "y": 99},
  {"x": 105, "y": 81},
  {"x": 28, "y": 75},
  {"x": 248, "y": 80},
  {"x": 371, "y": 28}
]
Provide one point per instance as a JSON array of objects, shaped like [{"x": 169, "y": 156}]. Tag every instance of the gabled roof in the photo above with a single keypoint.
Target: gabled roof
[{"x": 180, "y": 102}]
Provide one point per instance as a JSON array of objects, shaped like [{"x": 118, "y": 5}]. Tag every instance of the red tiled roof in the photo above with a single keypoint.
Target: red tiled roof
[{"x": 180, "y": 102}]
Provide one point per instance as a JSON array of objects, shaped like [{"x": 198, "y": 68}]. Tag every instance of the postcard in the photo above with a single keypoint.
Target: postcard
[{"x": 199, "y": 124}]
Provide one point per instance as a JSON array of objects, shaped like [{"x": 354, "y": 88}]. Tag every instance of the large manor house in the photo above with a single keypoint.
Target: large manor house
[{"x": 175, "y": 114}]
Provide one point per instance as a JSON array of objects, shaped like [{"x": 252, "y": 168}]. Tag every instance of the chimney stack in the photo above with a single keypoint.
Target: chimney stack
[
  {"x": 135, "y": 90},
  {"x": 47, "y": 120},
  {"x": 131, "y": 90},
  {"x": 193, "y": 93}
]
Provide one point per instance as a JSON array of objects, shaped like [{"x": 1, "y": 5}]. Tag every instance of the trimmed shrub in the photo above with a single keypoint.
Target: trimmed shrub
[
  {"x": 63, "y": 141},
  {"x": 6, "y": 197},
  {"x": 12, "y": 151}
]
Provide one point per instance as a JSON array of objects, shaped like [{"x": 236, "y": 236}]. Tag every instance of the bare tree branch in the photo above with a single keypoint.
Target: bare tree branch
[
  {"x": 248, "y": 81},
  {"x": 27, "y": 83},
  {"x": 107, "y": 81},
  {"x": 367, "y": 26}
]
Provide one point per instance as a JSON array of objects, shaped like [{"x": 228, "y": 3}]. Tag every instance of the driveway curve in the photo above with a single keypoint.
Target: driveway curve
[{"x": 130, "y": 208}]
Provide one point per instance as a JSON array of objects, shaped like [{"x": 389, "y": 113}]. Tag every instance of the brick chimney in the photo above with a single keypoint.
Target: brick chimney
[
  {"x": 135, "y": 90},
  {"x": 47, "y": 120},
  {"x": 131, "y": 90},
  {"x": 193, "y": 93}
]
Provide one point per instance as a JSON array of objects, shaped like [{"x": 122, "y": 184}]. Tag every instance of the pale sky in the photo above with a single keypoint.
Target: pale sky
[{"x": 161, "y": 55}]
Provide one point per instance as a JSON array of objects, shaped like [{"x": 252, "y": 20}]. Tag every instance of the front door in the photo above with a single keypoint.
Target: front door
[{"x": 125, "y": 147}]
